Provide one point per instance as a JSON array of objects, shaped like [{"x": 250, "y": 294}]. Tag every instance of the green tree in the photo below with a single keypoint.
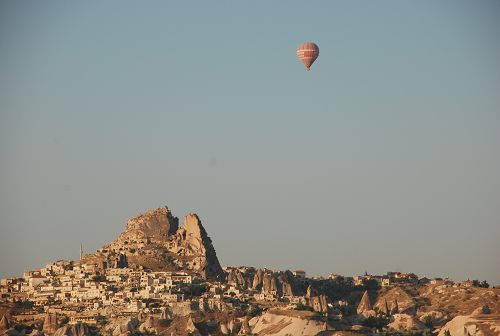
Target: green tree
[
  {"x": 428, "y": 322},
  {"x": 301, "y": 306},
  {"x": 99, "y": 278},
  {"x": 370, "y": 284},
  {"x": 376, "y": 322},
  {"x": 485, "y": 284}
]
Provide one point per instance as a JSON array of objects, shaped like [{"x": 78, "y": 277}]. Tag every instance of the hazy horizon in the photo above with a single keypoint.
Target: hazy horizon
[{"x": 384, "y": 157}]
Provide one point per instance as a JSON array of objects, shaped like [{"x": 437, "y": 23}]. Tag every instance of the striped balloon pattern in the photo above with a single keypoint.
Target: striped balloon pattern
[{"x": 307, "y": 53}]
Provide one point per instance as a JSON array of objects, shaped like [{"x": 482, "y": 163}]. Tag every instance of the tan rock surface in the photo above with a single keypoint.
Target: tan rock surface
[
  {"x": 125, "y": 326},
  {"x": 365, "y": 304},
  {"x": 397, "y": 299},
  {"x": 50, "y": 324},
  {"x": 472, "y": 325},
  {"x": 405, "y": 322},
  {"x": 191, "y": 328},
  {"x": 154, "y": 240},
  {"x": 274, "y": 324},
  {"x": 78, "y": 329},
  {"x": 4, "y": 323},
  {"x": 245, "y": 328}
]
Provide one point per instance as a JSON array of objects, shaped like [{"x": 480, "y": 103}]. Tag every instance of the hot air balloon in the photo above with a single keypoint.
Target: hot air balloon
[{"x": 307, "y": 53}]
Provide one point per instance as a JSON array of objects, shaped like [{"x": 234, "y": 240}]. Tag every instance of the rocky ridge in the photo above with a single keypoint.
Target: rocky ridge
[{"x": 154, "y": 240}]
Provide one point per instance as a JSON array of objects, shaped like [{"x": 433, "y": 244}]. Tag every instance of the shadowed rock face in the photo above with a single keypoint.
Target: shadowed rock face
[
  {"x": 126, "y": 327},
  {"x": 365, "y": 304},
  {"x": 264, "y": 280},
  {"x": 194, "y": 246},
  {"x": 319, "y": 303},
  {"x": 397, "y": 300},
  {"x": 234, "y": 276},
  {"x": 154, "y": 240},
  {"x": 50, "y": 323},
  {"x": 4, "y": 323},
  {"x": 478, "y": 323},
  {"x": 73, "y": 330},
  {"x": 404, "y": 322}
]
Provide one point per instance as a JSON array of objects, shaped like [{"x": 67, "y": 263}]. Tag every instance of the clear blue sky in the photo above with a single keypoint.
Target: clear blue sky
[{"x": 385, "y": 156}]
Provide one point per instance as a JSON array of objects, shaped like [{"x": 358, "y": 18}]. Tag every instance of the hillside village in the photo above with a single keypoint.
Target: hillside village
[{"x": 165, "y": 279}]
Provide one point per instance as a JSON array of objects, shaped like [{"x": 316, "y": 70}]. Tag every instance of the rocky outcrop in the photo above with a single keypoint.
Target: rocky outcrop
[
  {"x": 365, "y": 304},
  {"x": 245, "y": 328},
  {"x": 398, "y": 300},
  {"x": 4, "y": 323},
  {"x": 155, "y": 241},
  {"x": 141, "y": 316},
  {"x": 310, "y": 292},
  {"x": 50, "y": 323},
  {"x": 319, "y": 303},
  {"x": 78, "y": 329},
  {"x": 405, "y": 322},
  {"x": 472, "y": 325},
  {"x": 235, "y": 277},
  {"x": 192, "y": 243},
  {"x": 126, "y": 326},
  {"x": 191, "y": 328},
  {"x": 264, "y": 280},
  {"x": 153, "y": 225},
  {"x": 433, "y": 316},
  {"x": 385, "y": 308},
  {"x": 269, "y": 284},
  {"x": 14, "y": 332},
  {"x": 116, "y": 260},
  {"x": 395, "y": 307},
  {"x": 224, "y": 329},
  {"x": 282, "y": 323},
  {"x": 258, "y": 279},
  {"x": 148, "y": 326},
  {"x": 286, "y": 280},
  {"x": 166, "y": 314}
]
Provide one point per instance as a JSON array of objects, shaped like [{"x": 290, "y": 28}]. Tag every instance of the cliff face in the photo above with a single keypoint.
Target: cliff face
[
  {"x": 154, "y": 240},
  {"x": 265, "y": 281},
  {"x": 153, "y": 225},
  {"x": 192, "y": 243},
  {"x": 50, "y": 323}
]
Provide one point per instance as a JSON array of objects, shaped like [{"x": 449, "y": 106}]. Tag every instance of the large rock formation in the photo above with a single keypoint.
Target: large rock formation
[
  {"x": 264, "y": 280},
  {"x": 245, "y": 327},
  {"x": 281, "y": 323},
  {"x": 126, "y": 327},
  {"x": 257, "y": 279},
  {"x": 435, "y": 317},
  {"x": 191, "y": 328},
  {"x": 154, "y": 240},
  {"x": 4, "y": 323},
  {"x": 148, "y": 326},
  {"x": 78, "y": 329},
  {"x": 364, "y": 305},
  {"x": 405, "y": 322},
  {"x": 153, "y": 225},
  {"x": 397, "y": 299},
  {"x": 50, "y": 323},
  {"x": 235, "y": 277},
  {"x": 475, "y": 324},
  {"x": 35, "y": 332},
  {"x": 319, "y": 303},
  {"x": 192, "y": 243},
  {"x": 166, "y": 313}
]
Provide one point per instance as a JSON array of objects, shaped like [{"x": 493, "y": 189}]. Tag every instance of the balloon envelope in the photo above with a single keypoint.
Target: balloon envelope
[{"x": 307, "y": 53}]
